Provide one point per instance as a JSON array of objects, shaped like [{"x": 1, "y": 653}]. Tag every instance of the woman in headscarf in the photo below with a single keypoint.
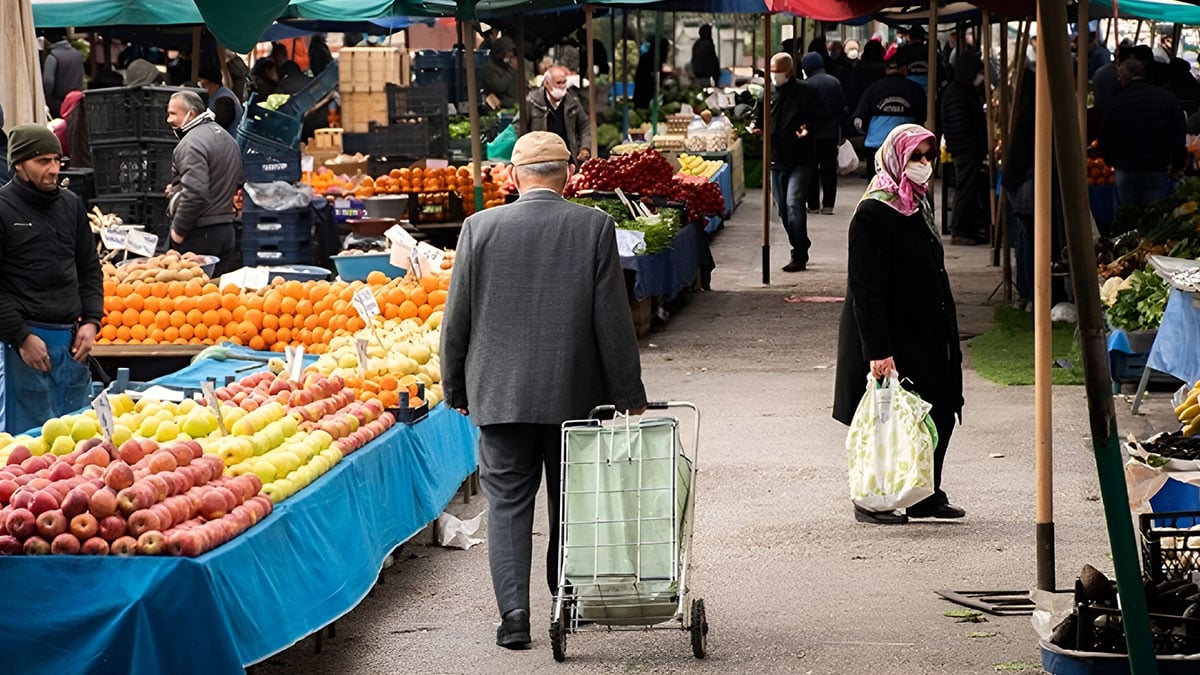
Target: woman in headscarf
[
  {"x": 141, "y": 72},
  {"x": 899, "y": 314},
  {"x": 72, "y": 100}
]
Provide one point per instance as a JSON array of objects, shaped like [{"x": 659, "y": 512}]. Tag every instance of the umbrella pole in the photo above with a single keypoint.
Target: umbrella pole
[
  {"x": 522, "y": 80},
  {"x": 1082, "y": 43},
  {"x": 468, "y": 40},
  {"x": 1042, "y": 354},
  {"x": 591, "y": 77},
  {"x": 657, "y": 47},
  {"x": 990, "y": 110},
  {"x": 1102, "y": 417},
  {"x": 931, "y": 84},
  {"x": 765, "y": 102},
  {"x": 625, "y": 86},
  {"x": 196, "y": 54}
]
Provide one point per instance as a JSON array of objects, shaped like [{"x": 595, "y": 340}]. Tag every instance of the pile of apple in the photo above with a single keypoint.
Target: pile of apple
[
  {"x": 140, "y": 498},
  {"x": 405, "y": 350}
]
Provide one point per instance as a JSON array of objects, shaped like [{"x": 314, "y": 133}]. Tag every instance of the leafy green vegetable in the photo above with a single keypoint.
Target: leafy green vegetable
[
  {"x": 460, "y": 129},
  {"x": 612, "y": 207},
  {"x": 1140, "y": 303},
  {"x": 607, "y": 135}
]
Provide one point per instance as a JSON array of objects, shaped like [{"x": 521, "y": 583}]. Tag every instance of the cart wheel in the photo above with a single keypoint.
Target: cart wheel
[
  {"x": 558, "y": 639},
  {"x": 699, "y": 628}
]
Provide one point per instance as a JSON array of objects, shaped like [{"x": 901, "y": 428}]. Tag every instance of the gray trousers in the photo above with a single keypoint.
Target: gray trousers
[{"x": 511, "y": 460}]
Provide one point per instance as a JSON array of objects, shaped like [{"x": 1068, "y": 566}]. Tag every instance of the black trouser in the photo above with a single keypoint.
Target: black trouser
[
  {"x": 825, "y": 176},
  {"x": 219, "y": 240},
  {"x": 971, "y": 216},
  {"x": 511, "y": 460},
  {"x": 945, "y": 427}
]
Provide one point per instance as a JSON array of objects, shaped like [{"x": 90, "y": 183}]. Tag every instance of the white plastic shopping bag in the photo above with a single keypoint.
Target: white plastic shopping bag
[
  {"x": 847, "y": 159},
  {"x": 890, "y": 448}
]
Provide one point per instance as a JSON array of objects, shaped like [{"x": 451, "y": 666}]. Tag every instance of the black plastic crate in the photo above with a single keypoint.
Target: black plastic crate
[
  {"x": 435, "y": 207},
  {"x": 132, "y": 168},
  {"x": 272, "y": 125},
  {"x": 416, "y": 100},
  {"x": 264, "y": 160},
  {"x": 273, "y": 227},
  {"x": 80, "y": 181},
  {"x": 139, "y": 209},
  {"x": 272, "y": 255},
  {"x": 130, "y": 114},
  {"x": 1101, "y": 629},
  {"x": 1170, "y": 549},
  {"x": 317, "y": 88}
]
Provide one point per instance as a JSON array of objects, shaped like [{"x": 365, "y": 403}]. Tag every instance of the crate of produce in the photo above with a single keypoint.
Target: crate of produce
[
  {"x": 264, "y": 160},
  {"x": 263, "y": 122},
  {"x": 360, "y": 108},
  {"x": 132, "y": 168},
  {"x": 415, "y": 100},
  {"x": 356, "y": 266},
  {"x": 129, "y": 114},
  {"x": 317, "y": 88},
  {"x": 435, "y": 207},
  {"x": 371, "y": 68},
  {"x": 1170, "y": 548},
  {"x": 406, "y": 139}
]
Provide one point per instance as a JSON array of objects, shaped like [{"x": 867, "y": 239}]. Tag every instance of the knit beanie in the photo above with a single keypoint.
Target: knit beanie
[
  {"x": 26, "y": 141},
  {"x": 812, "y": 62}
]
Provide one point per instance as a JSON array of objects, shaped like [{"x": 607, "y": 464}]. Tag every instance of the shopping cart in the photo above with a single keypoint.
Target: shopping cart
[{"x": 626, "y": 507}]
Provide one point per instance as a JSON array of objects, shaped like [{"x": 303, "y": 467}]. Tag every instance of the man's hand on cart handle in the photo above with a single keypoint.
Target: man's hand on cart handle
[
  {"x": 34, "y": 354},
  {"x": 85, "y": 339}
]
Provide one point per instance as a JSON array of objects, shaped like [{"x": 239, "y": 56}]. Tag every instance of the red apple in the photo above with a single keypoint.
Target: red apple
[
  {"x": 119, "y": 475},
  {"x": 123, "y": 546},
  {"x": 52, "y": 523},
  {"x": 181, "y": 452},
  {"x": 103, "y": 503},
  {"x": 36, "y": 545},
  {"x": 165, "y": 517},
  {"x": 90, "y": 485},
  {"x": 213, "y": 505},
  {"x": 149, "y": 446},
  {"x": 39, "y": 479},
  {"x": 75, "y": 503},
  {"x": 9, "y": 545},
  {"x": 232, "y": 498},
  {"x": 162, "y": 461},
  {"x": 64, "y": 543},
  {"x": 94, "y": 546},
  {"x": 111, "y": 528},
  {"x": 61, "y": 471},
  {"x": 203, "y": 471},
  {"x": 141, "y": 522},
  {"x": 84, "y": 526},
  {"x": 97, "y": 456},
  {"x": 19, "y": 454},
  {"x": 150, "y": 543},
  {"x": 43, "y": 501},
  {"x": 23, "y": 497},
  {"x": 179, "y": 507},
  {"x": 7, "y": 487},
  {"x": 130, "y": 452},
  {"x": 137, "y": 496},
  {"x": 196, "y": 448},
  {"x": 158, "y": 485},
  {"x": 35, "y": 464},
  {"x": 92, "y": 471}
]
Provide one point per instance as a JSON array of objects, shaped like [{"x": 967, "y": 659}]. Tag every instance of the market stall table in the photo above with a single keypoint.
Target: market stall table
[
  {"x": 311, "y": 561},
  {"x": 144, "y": 361}
]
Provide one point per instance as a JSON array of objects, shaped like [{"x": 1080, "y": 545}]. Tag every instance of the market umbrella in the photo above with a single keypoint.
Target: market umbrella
[
  {"x": 64, "y": 13},
  {"x": 20, "y": 73}
]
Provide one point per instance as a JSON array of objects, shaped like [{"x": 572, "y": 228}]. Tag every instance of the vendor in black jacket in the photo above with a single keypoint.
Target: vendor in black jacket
[
  {"x": 795, "y": 110},
  {"x": 964, "y": 125},
  {"x": 51, "y": 288},
  {"x": 1143, "y": 137}
]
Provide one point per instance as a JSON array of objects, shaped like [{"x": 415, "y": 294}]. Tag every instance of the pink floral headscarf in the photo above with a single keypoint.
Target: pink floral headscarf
[{"x": 890, "y": 184}]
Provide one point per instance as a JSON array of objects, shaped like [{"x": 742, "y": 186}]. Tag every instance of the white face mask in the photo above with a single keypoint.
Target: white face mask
[
  {"x": 919, "y": 172},
  {"x": 1031, "y": 54},
  {"x": 558, "y": 93},
  {"x": 852, "y": 54},
  {"x": 779, "y": 79}
]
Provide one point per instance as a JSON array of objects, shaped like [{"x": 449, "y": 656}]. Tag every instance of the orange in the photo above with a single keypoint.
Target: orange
[
  {"x": 253, "y": 301},
  {"x": 214, "y": 331},
  {"x": 152, "y": 304},
  {"x": 246, "y": 330},
  {"x": 165, "y": 304},
  {"x": 109, "y": 332},
  {"x": 418, "y": 296},
  {"x": 162, "y": 320},
  {"x": 195, "y": 317},
  {"x": 158, "y": 289},
  {"x": 200, "y": 332},
  {"x": 312, "y": 321},
  {"x": 254, "y": 316},
  {"x": 396, "y": 296},
  {"x": 146, "y": 317},
  {"x": 171, "y": 334},
  {"x": 155, "y": 335},
  {"x": 194, "y": 288},
  {"x": 287, "y": 306},
  {"x": 293, "y": 289},
  {"x": 284, "y": 335},
  {"x": 239, "y": 313},
  {"x": 268, "y": 335},
  {"x": 444, "y": 284},
  {"x": 304, "y": 307},
  {"x": 389, "y": 399},
  {"x": 234, "y": 339},
  {"x": 286, "y": 321},
  {"x": 279, "y": 346},
  {"x": 176, "y": 289},
  {"x": 408, "y": 310},
  {"x": 225, "y": 315},
  {"x": 318, "y": 292},
  {"x": 135, "y": 301},
  {"x": 209, "y": 301},
  {"x": 138, "y": 332},
  {"x": 424, "y": 311},
  {"x": 212, "y": 317},
  {"x": 391, "y": 311},
  {"x": 178, "y": 318},
  {"x": 185, "y": 304},
  {"x": 257, "y": 343},
  {"x": 123, "y": 334},
  {"x": 230, "y": 301},
  {"x": 110, "y": 288},
  {"x": 388, "y": 382},
  {"x": 429, "y": 283},
  {"x": 377, "y": 278},
  {"x": 437, "y": 297},
  {"x": 115, "y": 319},
  {"x": 113, "y": 304},
  {"x": 271, "y": 303},
  {"x": 124, "y": 290},
  {"x": 355, "y": 323},
  {"x": 210, "y": 287},
  {"x": 338, "y": 322},
  {"x": 303, "y": 336},
  {"x": 270, "y": 321},
  {"x": 186, "y": 332}
]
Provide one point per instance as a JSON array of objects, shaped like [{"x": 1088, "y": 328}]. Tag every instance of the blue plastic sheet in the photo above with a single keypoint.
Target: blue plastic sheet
[
  {"x": 312, "y": 560},
  {"x": 1176, "y": 349},
  {"x": 669, "y": 273},
  {"x": 724, "y": 180}
]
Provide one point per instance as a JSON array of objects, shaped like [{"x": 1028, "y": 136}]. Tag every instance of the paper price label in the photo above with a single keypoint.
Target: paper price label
[
  {"x": 416, "y": 264},
  {"x": 104, "y": 413},
  {"x": 360, "y": 345},
  {"x": 433, "y": 254},
  {"x": 210, "y": 395},
  {"x": 306, "y": 163},
  {"x": 141, "y": 243},
  {"x": 113, "y": 238},
  {"x": 295, "y": 362},
  {"x": 630, "y": 242},
  {"x": 366, "y": 305},
  {"x": 398, "y": 236}
]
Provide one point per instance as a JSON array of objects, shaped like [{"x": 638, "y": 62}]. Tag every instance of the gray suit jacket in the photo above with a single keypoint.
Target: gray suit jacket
[{"x": 537, "y": 326}]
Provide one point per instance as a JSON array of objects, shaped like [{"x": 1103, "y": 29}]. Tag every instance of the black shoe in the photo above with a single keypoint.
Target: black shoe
[
  {"x": 513, "y": 632},
  {"x": 945, "y": 510},
  {"x": 879, "y": 517},
  {"x": 813, "y": 209},
  {"x": 959, "y": 240},
  {"x": 827, "y": 210},
  {"x": 794, "y": 267}
]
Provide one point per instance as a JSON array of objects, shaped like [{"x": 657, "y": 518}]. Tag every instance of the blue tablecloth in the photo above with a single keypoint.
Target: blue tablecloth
[
  {"x": 1176, "y": 349},
  {"x": 724, "y": 180},
  {"x": 312, "y": 560},
  {"x": 669, "y": 273}
]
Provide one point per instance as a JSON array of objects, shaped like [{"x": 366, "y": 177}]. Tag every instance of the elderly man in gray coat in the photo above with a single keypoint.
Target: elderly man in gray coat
[{"x": 537, "y": 331}]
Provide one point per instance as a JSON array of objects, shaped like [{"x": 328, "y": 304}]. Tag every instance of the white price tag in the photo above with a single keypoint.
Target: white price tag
[
  {"x": 104, "y": 413},
  {"x": 436, "y": 163},
  {"x": 210, "y": 395},
  {"x": 366, "y": 305},
  {"x": 295, "y": 362},
  {"x": 398, "y": 236},
  {"x": 433, "y": 254},
  {"x": 306, "y": 163},
  {"x": 416, "y": 264},
  {"x": 141, "y": 243},
  {"x": 113, "y": 238},
  {"x": 398, "y": 256},
  {"x": 360, "y": 344},
  {"x": 630, "y": 242},
  {"x": 249, "y": 278}
]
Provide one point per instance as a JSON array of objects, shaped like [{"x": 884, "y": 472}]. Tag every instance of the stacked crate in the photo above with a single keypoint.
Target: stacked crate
[
  {"x": 131, "y": 150},
  {"x": 363, "y": 75}
]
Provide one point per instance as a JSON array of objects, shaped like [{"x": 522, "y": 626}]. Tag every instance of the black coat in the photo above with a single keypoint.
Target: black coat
[
  {"x": 1155, "y": 114},
  {"x": 964, "y": 123},
  {"x": 899, "y": 304},
  {"x": 793, "y": 105}
]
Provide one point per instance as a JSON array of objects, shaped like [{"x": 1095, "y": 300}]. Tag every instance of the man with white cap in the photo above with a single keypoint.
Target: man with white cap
[{"x": 537, "y": 331}]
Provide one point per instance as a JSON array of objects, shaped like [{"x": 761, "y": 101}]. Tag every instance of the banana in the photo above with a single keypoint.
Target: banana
[
  {"x": 1191, "y": 428},
  {"x": 1189, "y": 413},
  {"x": 1190, "y": 400}
]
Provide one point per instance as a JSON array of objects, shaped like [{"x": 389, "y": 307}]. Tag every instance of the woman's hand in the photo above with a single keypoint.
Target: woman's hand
[{"x": 883, "y": 368}]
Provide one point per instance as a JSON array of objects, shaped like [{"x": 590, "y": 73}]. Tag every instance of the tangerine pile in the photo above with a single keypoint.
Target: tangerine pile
[{"x": 282, "y": 314}]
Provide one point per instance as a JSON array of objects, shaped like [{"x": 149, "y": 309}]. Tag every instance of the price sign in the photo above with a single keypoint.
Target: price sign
[
  {"x": 399, "y": 236},
  {"x": 104, "y": 413},
  {"x": 210, "y": 395},
  {"x": 360, "y": 344},
  {"x": 415, "y": 263},
  {"x": 366, "y": 305},
  {"x": 113, "y": 238},
  {"x": 295, "y": 362},
  {"x": 436, "y": 163},
  {"x": 306, "y": 163},
  {"x": 141, "y": 243},
  {"x": 630, "y": 242},
  {"x": 433, "y": 254}
]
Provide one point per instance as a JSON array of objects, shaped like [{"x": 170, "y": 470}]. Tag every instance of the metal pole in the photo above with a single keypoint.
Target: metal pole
[
  {"x": 468, "y": 35},
  {"x": 1042, "y": 353},
  {"x": 657, "y": 47},
  {"x": 591, "y": 77},
  {"x": 522, "y": 80},
  {"x": 1003, "y": 120},
  {"x": 766, "y": 158},
  {"x": 1105, "y": 443},
  {"x": 612, "y": 38},
  {"x": 1082, "y": 43},
  {"x": 625, "y": 86}
]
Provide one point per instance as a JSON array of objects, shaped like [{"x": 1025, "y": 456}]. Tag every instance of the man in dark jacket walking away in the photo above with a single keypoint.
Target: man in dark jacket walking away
[
  {"x": 706, "y": 68},
  {"x": 965, "y": 127},
  {"x": 827, "y": 137},
  {"x": 796, "y": 112},
  {"x": 1143, "y": 137},
  {"x": 206, "y": 172},
  {"x": 499, "y": 73},
  {"x": 62, "y": 72}
]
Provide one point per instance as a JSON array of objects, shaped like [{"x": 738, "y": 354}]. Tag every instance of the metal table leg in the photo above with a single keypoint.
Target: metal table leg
[{"x": 1141, "y": 390}]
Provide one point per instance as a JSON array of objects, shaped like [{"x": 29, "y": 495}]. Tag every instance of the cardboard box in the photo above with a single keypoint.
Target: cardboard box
[
  {"x": 369, "y": 69},
  {"x": 360, "y": 108}
]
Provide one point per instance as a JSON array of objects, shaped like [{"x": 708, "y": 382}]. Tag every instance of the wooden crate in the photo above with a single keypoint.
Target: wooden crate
[
  {"x": 737, "y": 164},
  {"x": 327, "y": 139},
  {"x": 369, "y": 69},
  {"x": 360, "y": 108}
]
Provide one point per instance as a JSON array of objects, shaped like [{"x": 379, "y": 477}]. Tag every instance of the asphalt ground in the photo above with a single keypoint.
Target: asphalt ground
[{"x": 791, "y": 582}]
